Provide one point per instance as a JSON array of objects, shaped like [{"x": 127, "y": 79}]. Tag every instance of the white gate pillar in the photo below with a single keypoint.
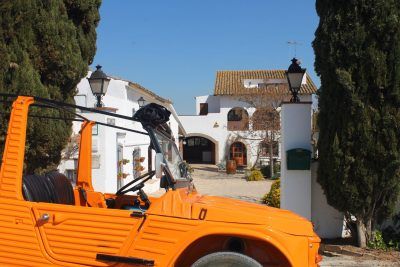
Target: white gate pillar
[{"x": 295, "y": 133}]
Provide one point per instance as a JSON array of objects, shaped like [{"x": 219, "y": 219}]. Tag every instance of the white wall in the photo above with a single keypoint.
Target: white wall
[
  {"x": 211, "y": 100},
  {"x": 295, "y": 133},
  {"x": 123, "y": 98},
  {"x": 204, "y": 125},
  {"x": 218, "y": 107},
  {"x": 328, "y": 222},
  {"x": 300, "y": 191}
]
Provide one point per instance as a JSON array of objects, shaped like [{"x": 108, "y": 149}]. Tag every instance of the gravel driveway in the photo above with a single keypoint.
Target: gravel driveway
[
  {"x": 334, "y": 260},
  {"x": 209, "y": 181}
]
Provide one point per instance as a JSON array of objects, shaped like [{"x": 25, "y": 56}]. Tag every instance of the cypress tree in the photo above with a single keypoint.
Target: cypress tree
[
  {"x": 357, "y": 49},
  {"x": 45, "y": 48}
]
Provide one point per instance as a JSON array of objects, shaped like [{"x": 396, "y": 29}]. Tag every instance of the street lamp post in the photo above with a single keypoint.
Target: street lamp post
[
  {"x": 295, "y": 76},
  {"x": 98, "y": 82},
  {"x": 141, "y": 102}
]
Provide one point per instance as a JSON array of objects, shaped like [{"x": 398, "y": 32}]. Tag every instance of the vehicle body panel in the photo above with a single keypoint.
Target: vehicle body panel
[
  {"x": 178, "y": 227},
  {"x": 77, "y": 234}
]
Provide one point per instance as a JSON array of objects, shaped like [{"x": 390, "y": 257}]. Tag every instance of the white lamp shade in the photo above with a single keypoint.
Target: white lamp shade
[
  {"x": 99, "y": 86},
  {"x": 98, "y": 81},
  {"x": 295, "y": 79},
  {"x": 106, "y": 82}
]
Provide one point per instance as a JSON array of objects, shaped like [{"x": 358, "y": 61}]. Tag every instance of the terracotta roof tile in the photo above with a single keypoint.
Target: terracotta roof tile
[{"x": 231, "y": 82}]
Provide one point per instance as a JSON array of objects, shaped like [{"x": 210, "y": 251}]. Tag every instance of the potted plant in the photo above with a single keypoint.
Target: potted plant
[
  {"x": 122, "y": 175},
  {"x": 123, "y": 162}
]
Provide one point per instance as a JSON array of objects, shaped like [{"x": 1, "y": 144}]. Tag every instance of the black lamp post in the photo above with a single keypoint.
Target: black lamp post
[
  {"x": 295, "y": 76},
  {"x": 141, "y": 102},
  {"x": 98, "y": 84}
]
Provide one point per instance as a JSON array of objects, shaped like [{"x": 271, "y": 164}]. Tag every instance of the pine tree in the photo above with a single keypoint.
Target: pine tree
[
  {"x": 357, "y": 48},
  {"x": 45, "y": 49}
]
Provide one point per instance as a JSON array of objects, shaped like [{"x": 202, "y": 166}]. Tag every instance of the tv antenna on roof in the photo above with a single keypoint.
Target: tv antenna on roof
[{"x": 295, "y": 44}]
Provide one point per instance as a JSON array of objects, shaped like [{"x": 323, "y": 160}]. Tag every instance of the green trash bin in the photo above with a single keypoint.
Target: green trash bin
[{"x": 298, "y": 159}]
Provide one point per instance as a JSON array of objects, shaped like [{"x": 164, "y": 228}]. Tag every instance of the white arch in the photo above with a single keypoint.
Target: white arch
[
  {"x": 202, "y": 135},
  {"x": 216, "y": 143}
]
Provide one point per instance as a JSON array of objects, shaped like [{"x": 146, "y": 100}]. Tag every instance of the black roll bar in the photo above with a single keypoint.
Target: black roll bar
[
  {"x": 63, "y": 104},
  {"x": 48, "y": 103}
]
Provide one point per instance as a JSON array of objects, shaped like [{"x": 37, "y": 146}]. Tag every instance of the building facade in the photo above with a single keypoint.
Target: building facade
[
  {"x": 118, "y": 156},
  {"x": 225, "y": 127}
]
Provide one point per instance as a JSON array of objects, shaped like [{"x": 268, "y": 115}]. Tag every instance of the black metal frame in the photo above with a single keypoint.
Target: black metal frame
[
  {"x": 124, "y": 259},
  {"x": 48, "y": 103},
  {"x": 173, "y": 183}
]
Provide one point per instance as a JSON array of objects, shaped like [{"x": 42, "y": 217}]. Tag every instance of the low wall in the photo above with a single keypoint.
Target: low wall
[{"x": 328, "y": 222}]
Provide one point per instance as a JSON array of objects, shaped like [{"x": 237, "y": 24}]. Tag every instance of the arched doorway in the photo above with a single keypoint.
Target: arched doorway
[
  {"x": 197, "y": 149},
  {"x": 238, "y": 152}
]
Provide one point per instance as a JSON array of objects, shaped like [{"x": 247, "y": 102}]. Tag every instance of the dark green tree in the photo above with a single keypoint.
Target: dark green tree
[
  {"x": 357, "y": 48},
  {"x": 45, "y": 49}
]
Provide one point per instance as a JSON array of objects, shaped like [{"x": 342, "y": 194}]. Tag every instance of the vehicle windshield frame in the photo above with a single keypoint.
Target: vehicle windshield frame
[{"x": 163, "y": 133}]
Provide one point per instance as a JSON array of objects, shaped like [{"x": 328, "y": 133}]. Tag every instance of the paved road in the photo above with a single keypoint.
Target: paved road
[
  {"x": 332, "y": 260},
  {"x": 209, "y": 181}
]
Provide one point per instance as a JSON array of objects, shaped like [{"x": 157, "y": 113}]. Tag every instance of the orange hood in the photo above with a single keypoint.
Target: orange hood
[{"x": 235, "y": 211}]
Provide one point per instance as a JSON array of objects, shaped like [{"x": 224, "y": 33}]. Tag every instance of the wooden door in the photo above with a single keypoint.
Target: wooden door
[
  {"x": 77, "y": 234},
  {"x": 239, "y": 153}
]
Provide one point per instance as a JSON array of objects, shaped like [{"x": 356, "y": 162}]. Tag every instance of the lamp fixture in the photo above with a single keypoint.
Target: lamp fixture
[
  {"x": 141, "y": 102},
  {"x": 98, "y": 82},
  {"x": 295, "y": 76}
]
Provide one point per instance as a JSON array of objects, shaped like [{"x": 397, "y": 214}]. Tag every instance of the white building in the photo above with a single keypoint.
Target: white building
[
  {"x": 116, "y": 154},
  {"x": 220, "y": 130}
]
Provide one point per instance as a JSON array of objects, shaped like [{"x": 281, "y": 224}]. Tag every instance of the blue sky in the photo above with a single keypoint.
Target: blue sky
[{"x": 175, "y": 47}]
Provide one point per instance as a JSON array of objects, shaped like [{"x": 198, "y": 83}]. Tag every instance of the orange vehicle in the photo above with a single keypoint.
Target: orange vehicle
[{"x": 57, "y": 225}]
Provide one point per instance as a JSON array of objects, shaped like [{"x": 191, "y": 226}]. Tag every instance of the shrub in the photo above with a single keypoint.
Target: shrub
[
  {"x": 247, "y": 172},
  {"x": 383, "y": 241},
  {"x": 377, "y": 241},
  {"x": 273, "y": 198},
  {"x": 265, "y": 169},
  {"x": 188, "y": 167},
  {"x": 255, "y": 175},
  {"x": 390, "y": 236},
  {"x": 185, "y": 169}
]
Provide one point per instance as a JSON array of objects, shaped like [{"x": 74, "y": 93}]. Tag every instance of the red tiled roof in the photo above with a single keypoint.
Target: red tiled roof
[{"x": 231, "y": 82}]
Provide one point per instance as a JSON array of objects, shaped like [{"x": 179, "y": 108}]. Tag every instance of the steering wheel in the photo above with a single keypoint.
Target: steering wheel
[{"x": 128, "y": 187}]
